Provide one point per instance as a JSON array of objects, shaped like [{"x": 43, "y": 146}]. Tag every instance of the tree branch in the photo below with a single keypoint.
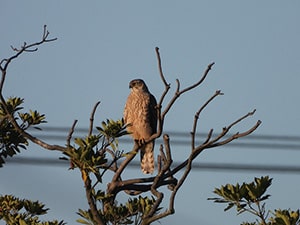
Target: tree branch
[
  {"x": 3, "y": 67},
  {"x": 71, "y": 133},
  {"x": 91, "y": 201},
  {"x": 111, "y": 187},
  {"x": 92, "y": 118},
  {"x": 26, "y": 48},
  {"x": 160, "y": 67},
  {"x": 213, "y": 143},
  {"x": 178, "y": 92},
  {"x": 193, "y": 132}
]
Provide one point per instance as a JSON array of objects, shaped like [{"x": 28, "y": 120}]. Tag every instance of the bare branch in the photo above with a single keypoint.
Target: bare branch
[
  {"x": 160, "y": 67},
  {"x": 178, "y": 92},
  {"x": 134, "y": 188},
  {"x": 208, "y": 137},
  {"x": 27, "y": 48},
  {"x": 92, "y": 118},
  {"x": 161, "y": 115},
  {"x": 226, "y": 129},
  {"x": 213, "y": 143},
  {"x": 71, "y": 133},
  {"x": 201, "y": 80},
  {"x": 3, "y": 67},
  {"x": 193, "y": 132},
  {"x": 237, "y": 135}
]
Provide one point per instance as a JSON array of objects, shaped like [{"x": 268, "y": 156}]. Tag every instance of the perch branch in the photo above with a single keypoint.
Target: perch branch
[
  {"x": 159, "y": 180},
  {"x": 111, "y": 188}
]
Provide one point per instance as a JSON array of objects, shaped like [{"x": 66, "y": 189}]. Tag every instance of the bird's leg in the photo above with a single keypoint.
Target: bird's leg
[{"x": 140, "y": 142}]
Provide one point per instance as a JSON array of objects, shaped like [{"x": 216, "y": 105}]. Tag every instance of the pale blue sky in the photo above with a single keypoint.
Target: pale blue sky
[{"x": 102, "y": 45}]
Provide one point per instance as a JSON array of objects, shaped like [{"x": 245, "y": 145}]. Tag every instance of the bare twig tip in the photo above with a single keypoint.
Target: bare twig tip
[
  {"x": 251, "y": 113},
  {"x": 211, "y": 65},
  {"x": 166, "y": 137},
  {"x": 218, "y": 92}
]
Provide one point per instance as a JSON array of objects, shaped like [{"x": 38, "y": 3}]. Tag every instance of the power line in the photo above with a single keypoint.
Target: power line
[
  {"x": 271, "y": 142},
  {"x": 220, "y": 167},
  {"x": 264, "y": 137},
  {"x": 278, "y": 142}
]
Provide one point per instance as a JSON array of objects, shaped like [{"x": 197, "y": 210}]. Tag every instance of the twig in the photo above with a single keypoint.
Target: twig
[
  {"x": 71, "y": 133},
  {"x": 27, "y": 48},
  {"x": 193, "y": 132},
  {"x": 3, "y": 67},
  {"x": 178, "y": 92},
  {"x": 92, "y": 118},
  {"x": 226, "y": 129},
  {"x": 213, "y": 143},
  {"x": 160, "y": 67}
]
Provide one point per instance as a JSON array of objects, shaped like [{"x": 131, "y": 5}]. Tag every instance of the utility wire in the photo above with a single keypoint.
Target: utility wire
[
  {"x": 220, "y": 167},
  {"x": 271, "y": 142},
  {"x": 264, "y": 137}
]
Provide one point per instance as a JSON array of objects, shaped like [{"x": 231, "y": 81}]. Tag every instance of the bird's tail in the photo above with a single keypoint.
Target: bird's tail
[{"x": 147, "y": 158}]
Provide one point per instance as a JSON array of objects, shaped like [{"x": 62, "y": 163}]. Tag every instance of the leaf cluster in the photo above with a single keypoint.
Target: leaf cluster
[
  {"x": 89, "y": 154},
  {"x": 23, "y": 212},
  {"x": 11, "y": 141},
  {"x": 86, "y": 156},
  {"x": 129, "y": 213},
  {"x": 243, "y": 195},
  {"x": 112, "y": 130},
  {"x": 285, "y": 217},
  {"x": 250, "y": 197}
]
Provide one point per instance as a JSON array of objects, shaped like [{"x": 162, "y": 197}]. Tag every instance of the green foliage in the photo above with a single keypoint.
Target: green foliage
[
  {"x": 285, "y": 217},
  {"x": 89, "y": 154},
  {"x": 250, "y": 197},
  {"x": 130, "y": 213},
  {"x": 243, "y": 195},
  {"x": 111, "y": 130},
  {"x": 11, "y": 141},
  {"x": 86, "y": 156},
  {"x": 22, "y": 211},
  {"x": 31, "y": 118}
]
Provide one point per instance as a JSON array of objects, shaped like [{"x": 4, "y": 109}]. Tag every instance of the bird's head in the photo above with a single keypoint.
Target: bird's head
[{"x": 138, "y": 85}]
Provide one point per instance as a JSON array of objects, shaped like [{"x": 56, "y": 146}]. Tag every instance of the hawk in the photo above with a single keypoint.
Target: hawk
[{"x": 140, "y": 114}]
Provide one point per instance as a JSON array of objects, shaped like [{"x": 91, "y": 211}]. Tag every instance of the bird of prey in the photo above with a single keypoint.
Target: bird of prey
[{"x": 140, "y": 114}]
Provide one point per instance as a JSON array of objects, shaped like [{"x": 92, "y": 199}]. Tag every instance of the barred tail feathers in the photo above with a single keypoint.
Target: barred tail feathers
[{"x": 147, "y": 158}]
